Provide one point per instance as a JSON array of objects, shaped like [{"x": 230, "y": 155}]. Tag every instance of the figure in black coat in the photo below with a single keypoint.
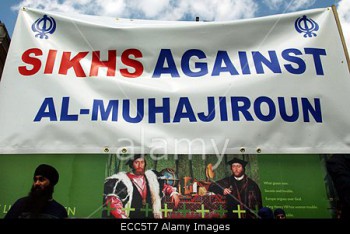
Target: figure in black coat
[
  {"x": 243, "y": 195},
  {"x": 338, "y": 167}
]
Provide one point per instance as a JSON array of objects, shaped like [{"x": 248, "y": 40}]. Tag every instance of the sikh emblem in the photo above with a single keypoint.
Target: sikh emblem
[
  {"x": 43, "y": 26},
  {"x": 307, "y": 26}
]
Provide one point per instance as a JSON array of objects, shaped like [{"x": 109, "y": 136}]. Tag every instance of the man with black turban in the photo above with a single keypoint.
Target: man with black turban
[
  {"x": 243, "y": 195},
  {"x": 39, "y": 203}
]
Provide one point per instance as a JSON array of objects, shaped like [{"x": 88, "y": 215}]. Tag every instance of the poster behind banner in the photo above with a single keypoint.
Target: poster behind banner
[{"x": 293, "y": 182}]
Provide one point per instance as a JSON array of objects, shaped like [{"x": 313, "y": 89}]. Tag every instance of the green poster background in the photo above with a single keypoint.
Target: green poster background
[
  {"x": 80, "y": 186},
  {"x": 295, "y": 183}
]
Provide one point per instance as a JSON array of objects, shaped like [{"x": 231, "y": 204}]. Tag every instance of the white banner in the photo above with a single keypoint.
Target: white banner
[{"x": 87, "y": 84}]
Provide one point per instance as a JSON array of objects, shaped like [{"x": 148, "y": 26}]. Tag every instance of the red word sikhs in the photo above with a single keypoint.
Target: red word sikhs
[{"x": 36, "y": 61}]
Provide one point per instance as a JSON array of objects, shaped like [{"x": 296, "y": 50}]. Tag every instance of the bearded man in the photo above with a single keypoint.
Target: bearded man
[
  {"x": 136, "y": 194},
  {"x": 243, "y": 195},
  {"x": 39, "y": 203}
]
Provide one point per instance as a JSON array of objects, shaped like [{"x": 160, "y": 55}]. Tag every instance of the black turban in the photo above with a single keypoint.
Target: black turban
[{"x": 48, "y": 172}]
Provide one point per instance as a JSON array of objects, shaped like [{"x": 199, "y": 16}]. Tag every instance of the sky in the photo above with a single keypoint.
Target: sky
[{"x": 206, "y": 10}]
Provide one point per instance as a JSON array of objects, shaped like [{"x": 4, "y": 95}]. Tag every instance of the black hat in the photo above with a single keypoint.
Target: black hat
[
  {"x": 279, "y": 211},
  {"x": 48, "y": 172},
  {"x": 237, "y": 160},
  {"x": 265, "y": 213},
  {"x": 132, "y": 159}
]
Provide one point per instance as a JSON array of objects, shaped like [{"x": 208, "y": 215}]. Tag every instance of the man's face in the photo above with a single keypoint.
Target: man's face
[
  {"x": 237, "y": 169},
  {"x": 40, "y": 193},
  {"x": 280, "y": 216},
  {"x": 40, "y": 183},
  {"x": 139, "y": 166}
]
